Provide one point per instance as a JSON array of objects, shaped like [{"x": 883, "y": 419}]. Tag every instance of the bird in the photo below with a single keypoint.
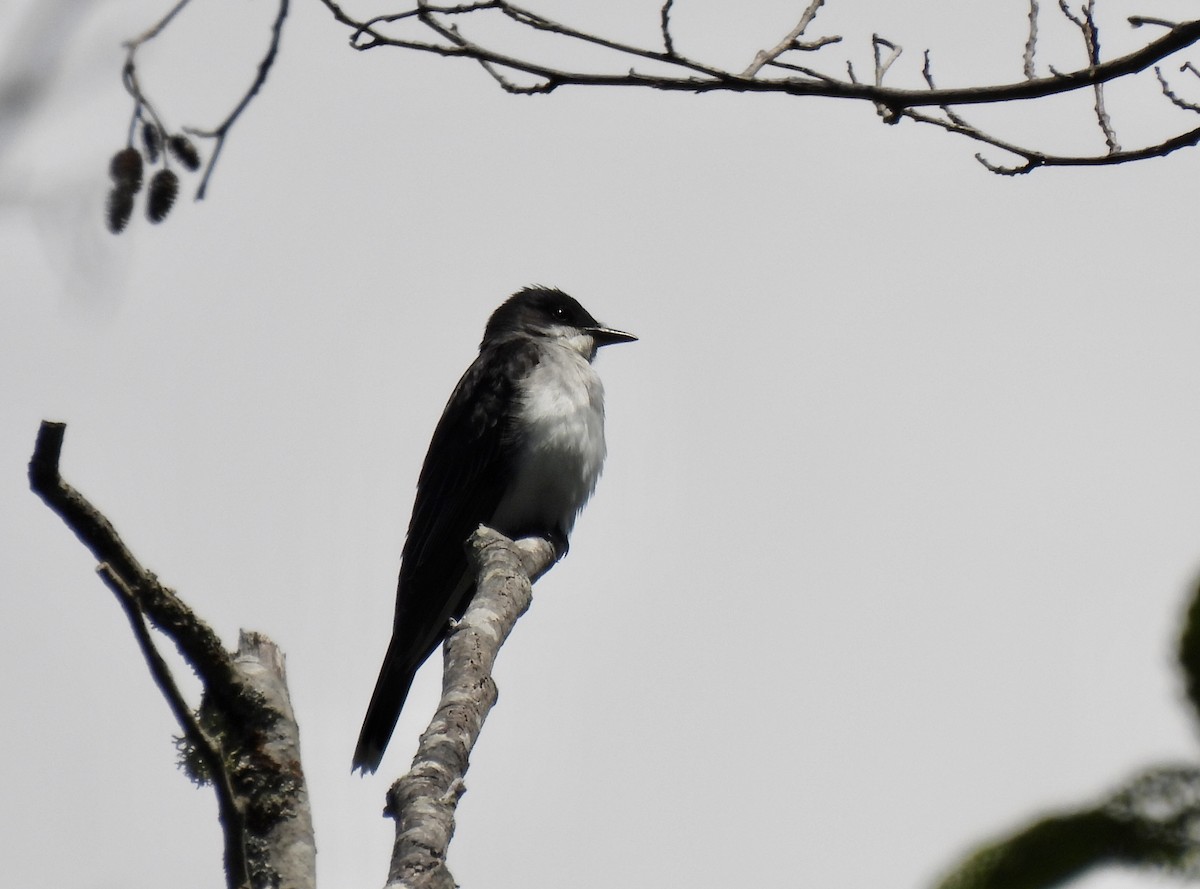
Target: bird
[{"x": 519, "y": 448}]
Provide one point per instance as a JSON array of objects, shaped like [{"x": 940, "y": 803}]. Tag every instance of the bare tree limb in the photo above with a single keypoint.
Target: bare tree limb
[
  {"x": 366, "y": 35},
  {"x": 447, "y": 26},
  {"x": 449, "y": 30},
  {"x": 245, "y": 740},
  {"x": 424, "y": 800}
]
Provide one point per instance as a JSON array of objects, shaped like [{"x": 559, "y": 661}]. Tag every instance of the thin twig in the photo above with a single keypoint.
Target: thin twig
[
  {"x": 814, "y": 45},
  {"x": 1137, "y": 21},
  {"x": 1085, "y": 21},
  {"x": 1092, "y": 37},
  {"x": 541, "y": 23},
  {"x": 890, "y": 114},
  {"x": 665, "y": 26},
  {"x": 1031, "y": 41},
  {"x": 194, "y": 638},
  {"x": 157, "y": 28},
  {"x": 788, "y": 42},
  {"x": 129, "y": 76},
  {"x": 237, "y": 873},
  {"x": 221, "y": 132},
  {"x": 882, "y": 66},
  {"x": 951, "y": 114},
  {"x": 1035, "y": 159},
  {"x": 802, "y": 69},
  {"x": 1177, "y": 100}
]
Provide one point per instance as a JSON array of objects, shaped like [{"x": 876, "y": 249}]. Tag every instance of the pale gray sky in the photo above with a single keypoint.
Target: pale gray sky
[{"x": 902, "y": 502}]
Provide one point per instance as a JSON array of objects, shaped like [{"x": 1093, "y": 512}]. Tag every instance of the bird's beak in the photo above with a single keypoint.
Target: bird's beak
[{"x": 606, "y": 336}]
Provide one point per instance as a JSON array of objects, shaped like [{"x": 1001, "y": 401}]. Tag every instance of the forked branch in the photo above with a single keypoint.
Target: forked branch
[{"x": 243, "y": 738}]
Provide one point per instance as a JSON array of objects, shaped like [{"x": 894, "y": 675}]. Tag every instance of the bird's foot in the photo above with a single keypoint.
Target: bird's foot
[{"x": 561, "y": 545}]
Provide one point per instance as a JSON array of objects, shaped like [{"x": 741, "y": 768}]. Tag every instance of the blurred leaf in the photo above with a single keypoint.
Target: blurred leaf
[
  {"x": 1046, "y": 853},
  {"x": 1153, "y": 821},
  {"x": 1189, "y": 652}
]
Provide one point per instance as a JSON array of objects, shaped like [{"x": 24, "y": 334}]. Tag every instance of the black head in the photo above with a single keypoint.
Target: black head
[{"x": 544, "y": 311}]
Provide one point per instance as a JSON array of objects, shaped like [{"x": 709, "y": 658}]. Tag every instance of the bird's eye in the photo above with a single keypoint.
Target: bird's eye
[{"x": 559, "y": 313}]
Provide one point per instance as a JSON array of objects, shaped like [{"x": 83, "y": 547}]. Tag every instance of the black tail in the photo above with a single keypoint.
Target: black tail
[
  {"x": 395, "y": 679},
  {"x": 423, "y": 613}
]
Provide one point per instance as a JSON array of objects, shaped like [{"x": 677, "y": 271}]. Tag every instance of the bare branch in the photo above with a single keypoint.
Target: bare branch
[
  {"x": 447, "y": 30},
  {"x": 1137, "y": 21},
  {"x": 1176, "y": 100},
  {"x": 1077, "y": 20},
  {"x": 129, "y": 72},
  {"x": 701, "y": 78},
  {"x": 665, "y": 27},
  {"x": 246, "y": 737},
  {"x": 221, "y": 132},
  {"x": 888, "y": 113},
  {"x": 1086, "y": 23},
  {"x": 1031, "y": 41},
  {"x": 802, "y": 69},
  {"x": 1036, "y": 159},
  {"x": 194, "y": 638},
  {"x": 424, "y": 800},
  {"x": 688, "y": 75},
  {"x": 882, "y": 65},
  {"x": 951, "y": 114},
  {"x": 788, "y": 42}
]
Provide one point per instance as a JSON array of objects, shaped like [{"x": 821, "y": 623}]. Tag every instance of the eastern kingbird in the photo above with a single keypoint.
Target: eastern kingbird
[{"x": 518, "y": 448}]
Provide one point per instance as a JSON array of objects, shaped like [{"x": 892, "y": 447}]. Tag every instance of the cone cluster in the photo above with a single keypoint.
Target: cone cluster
[{"x": 127, "y": 171}]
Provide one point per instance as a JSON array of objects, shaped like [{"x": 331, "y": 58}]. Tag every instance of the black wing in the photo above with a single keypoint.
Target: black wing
[{"x": 461, "y": 484}]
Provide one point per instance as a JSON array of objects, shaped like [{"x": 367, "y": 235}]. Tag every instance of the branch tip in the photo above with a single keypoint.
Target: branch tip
[{"x": 47, "y": 451}]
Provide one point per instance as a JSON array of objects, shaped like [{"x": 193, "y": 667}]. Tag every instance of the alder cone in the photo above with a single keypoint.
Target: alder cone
[
  {"x": 163, "y": 189},
  {"x": 125, "y": 168},
  {"x": 152, "y": 139},
  {"x": 119, "y": 208},
  {"x": 184, "y": 151}
]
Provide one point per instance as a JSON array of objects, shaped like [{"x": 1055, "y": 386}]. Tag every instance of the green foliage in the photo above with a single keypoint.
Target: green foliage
[
  {"x": 1150, "y": 822},
  {"x": 1189, "y": 653},
  {"x": 1046, "y": 853}
]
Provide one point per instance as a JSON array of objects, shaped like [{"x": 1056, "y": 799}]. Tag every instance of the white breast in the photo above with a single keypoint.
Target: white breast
[{"x": 561, "y": 415}]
